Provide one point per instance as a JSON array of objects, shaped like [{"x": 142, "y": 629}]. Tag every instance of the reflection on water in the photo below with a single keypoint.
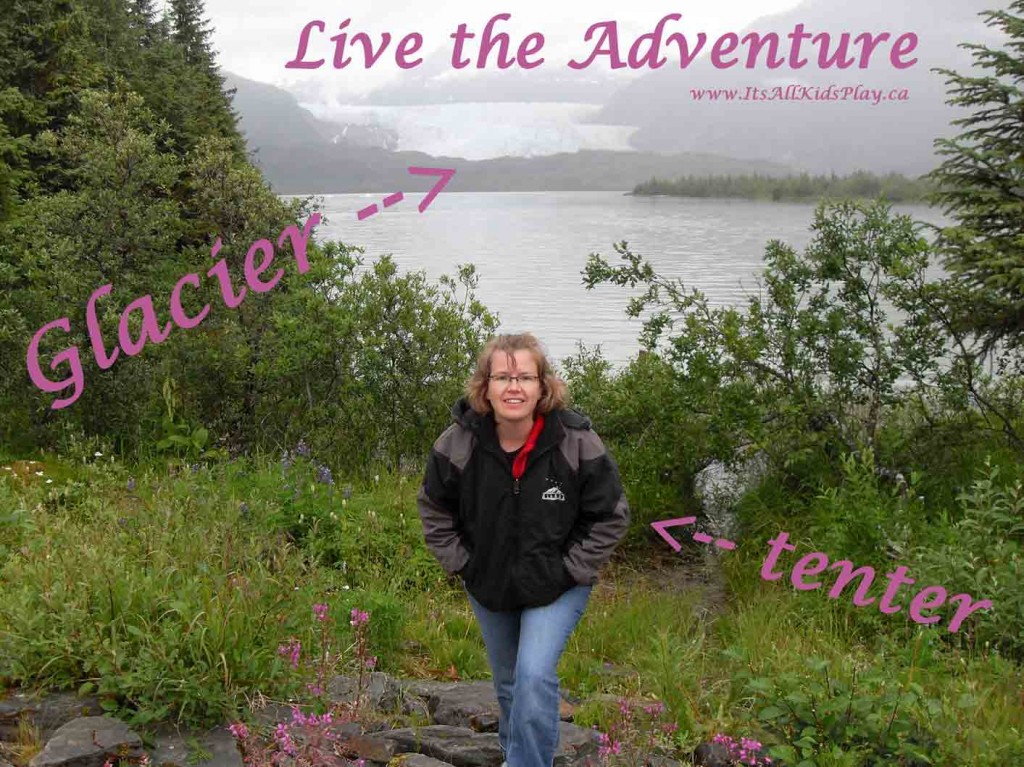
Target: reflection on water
[{"x": 530, "y": 248}]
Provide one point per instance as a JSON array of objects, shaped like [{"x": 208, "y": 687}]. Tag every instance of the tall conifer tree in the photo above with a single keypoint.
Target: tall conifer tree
[{"x": 981, "y": 185}]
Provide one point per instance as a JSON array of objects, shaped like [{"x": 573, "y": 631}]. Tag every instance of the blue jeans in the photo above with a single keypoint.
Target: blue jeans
[{"x": 523, "y": 647}]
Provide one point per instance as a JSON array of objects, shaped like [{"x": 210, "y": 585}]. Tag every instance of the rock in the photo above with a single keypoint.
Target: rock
[
  {"x": 462, "y": 704},
  {"x": 383, "y": 693},
  {"x": 459, "y": 746},
  {"x": 175, "y": 750},
  {"x": 375, "y": 748},
  {"x": 711, "y": 755},
  {"x": 572, "y": 737},
  {"x": 46, "y": 712},
  {"x": 271, "y": 714},
  {"x": 417, "y": 760},
  {"x": 662, "y": 761},
  {"x": 468, "y": 704},
  {"x": 87, "y": 742}
]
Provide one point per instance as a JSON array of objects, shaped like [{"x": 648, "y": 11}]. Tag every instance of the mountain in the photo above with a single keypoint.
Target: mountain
[
  {"x": 302, "y": 170},
  {"x": 839, "y": 136},
  {"x": 272, "y": 117},
  {"x": 301, "y": 154}
]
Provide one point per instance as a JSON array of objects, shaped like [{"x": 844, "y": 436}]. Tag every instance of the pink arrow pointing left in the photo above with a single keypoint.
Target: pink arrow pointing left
[
  {"x": 661, "y": 529},
  {"x": 444, "y": 174}
]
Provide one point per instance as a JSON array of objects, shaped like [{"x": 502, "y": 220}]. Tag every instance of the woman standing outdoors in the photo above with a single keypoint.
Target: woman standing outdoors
[{"x": 521, "y": 499}]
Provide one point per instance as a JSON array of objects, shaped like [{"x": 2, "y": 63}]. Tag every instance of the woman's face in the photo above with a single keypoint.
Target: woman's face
[{"x": 516, "y": 399}]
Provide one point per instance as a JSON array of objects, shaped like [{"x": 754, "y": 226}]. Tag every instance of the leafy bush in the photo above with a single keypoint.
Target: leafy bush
[
  {"x": 844, "y": 717},
  {"x": 984, "y": 556}
]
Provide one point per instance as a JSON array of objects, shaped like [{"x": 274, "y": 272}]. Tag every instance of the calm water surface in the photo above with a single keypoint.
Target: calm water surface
[{"x": 530, "y": 249}]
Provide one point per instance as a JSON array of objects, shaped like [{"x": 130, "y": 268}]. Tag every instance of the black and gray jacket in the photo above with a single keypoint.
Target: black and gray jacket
[{"x": 521, "y": 543}]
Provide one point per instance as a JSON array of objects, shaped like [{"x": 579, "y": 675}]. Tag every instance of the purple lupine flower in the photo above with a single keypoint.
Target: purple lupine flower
[
  {"x": 302, "y": 449},
  {"x": 131, "y": 484},
  {"x": 323, "y": 475}
]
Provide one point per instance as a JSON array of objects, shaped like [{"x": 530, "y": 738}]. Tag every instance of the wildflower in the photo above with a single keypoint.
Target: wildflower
[
  {"x": 49, "y": 481},
  {"x": 284, "y": 739},
  {"x": 320, "y": 611},
  {"x": 39, "y": 473},
  {"x": 314, "y": 689},
  {"x": 131, "y": 484},
  {"x": 293, "y": 650},
  {"x": 655, "y": 708},
  {"x": 359, "y": 617},
  {"x": 323, "y": 475},
  {"x": 98, "y": 454},
  {"x": 371, "y": 662},
  {"x": 243, "y": 509},
  {"x": 302, "y": 449},
  {"x": 239, "y": 731}
]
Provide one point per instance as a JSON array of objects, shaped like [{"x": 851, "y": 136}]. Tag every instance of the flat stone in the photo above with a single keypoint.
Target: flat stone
[
  {"x": 459, "y": 746},
  {"x": 87, "y": 742},
  {"x": 375, "y": 748},
  {"x": 45, "y": 712},
  {"x": 469, "y": 704},
  {"x": 174, "y": 750},
  {"x": 417, "y": 760}
]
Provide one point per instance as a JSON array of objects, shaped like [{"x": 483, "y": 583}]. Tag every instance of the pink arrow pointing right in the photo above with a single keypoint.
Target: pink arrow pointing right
[{"x": 445, "y": 176}]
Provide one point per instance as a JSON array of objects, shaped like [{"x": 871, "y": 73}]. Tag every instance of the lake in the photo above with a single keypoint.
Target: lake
[{"x": 530, "y": 248}]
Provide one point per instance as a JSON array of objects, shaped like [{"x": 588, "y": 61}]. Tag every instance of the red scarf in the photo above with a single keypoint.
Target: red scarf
[{"x": 519, "y": 464}]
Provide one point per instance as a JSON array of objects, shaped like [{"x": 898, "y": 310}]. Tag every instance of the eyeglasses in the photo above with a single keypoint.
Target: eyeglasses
[{"x": 523, "y": 380}]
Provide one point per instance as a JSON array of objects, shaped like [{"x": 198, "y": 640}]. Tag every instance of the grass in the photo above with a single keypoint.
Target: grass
[{"x": 167, "y": 593}]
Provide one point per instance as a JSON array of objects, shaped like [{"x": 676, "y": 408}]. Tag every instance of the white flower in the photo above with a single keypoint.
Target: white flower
[
  {"x": 49, "y": 481},
  {"x": 345, "y": 587},
  {"x": 39, "y": 473},
  {"x": 98, "y": 454}
]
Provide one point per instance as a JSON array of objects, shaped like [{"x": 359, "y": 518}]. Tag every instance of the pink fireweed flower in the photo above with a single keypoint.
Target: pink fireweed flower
[
  {"x": 359, "y": 617},
  {"x": 293, "y": 649},
  {"x": 371, "y": 662},
  {"x": 655, "y": 708},
  {"x": 320, "y": 611},
  {"x": 239, "y": 731}
]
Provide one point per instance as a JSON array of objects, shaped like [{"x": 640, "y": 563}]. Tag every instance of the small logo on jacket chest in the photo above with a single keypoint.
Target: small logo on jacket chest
[{"x": 553, "y": 493}]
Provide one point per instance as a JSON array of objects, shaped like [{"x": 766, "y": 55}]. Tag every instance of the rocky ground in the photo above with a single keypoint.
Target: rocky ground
[{"x": 418, "y": 724}]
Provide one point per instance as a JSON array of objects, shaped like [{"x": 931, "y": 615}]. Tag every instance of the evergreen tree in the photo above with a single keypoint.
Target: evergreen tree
[{"x": 981, "y": 185}]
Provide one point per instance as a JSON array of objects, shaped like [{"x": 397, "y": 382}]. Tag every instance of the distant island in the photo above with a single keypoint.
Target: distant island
[{"x": 892, "y": 187}]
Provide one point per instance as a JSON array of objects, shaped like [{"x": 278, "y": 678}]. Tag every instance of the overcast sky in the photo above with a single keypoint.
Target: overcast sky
[{"x": 255, "y": 38}]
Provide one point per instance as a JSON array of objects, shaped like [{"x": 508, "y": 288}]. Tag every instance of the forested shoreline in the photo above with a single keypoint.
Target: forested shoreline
[{"x": 892, "y": 187}]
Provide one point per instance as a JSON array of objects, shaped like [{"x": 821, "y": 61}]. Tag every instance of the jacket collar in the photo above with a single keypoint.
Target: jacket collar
[{"x": 486, "y": 429}]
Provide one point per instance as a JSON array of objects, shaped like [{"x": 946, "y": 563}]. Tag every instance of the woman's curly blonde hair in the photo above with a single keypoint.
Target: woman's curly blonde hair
[{"x": 554, "y": 393}]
